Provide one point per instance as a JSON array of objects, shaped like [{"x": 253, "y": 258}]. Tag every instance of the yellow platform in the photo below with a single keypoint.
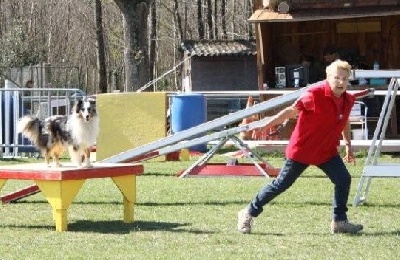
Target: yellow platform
[{"x": 60, "y": 185}]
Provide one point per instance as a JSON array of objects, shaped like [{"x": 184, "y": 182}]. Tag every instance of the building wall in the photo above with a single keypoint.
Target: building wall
[
  {"x": 224, "y": 74},
  {"x": 371, "y": 38}
]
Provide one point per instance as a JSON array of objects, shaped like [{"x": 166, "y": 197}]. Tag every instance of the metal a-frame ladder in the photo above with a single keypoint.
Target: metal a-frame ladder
[{"x": 372, "y": 168}]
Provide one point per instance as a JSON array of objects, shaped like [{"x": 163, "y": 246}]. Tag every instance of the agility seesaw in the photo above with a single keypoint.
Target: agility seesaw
[
  {"x": 152, "y": 149},
  {"x": 189, "y": 137}
]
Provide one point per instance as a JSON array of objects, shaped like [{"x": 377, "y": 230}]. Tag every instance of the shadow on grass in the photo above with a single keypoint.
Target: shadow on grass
[
  {"x": 329, "y": 203},
  {"x": 159, "y": 174},
  {"x": 363, "y": 233},
  {"x": 379, "y": 205},
  {"x": 145, "y": 204},
  {"x": 74, "y": 202},
  {"x": 118, "y": 227},
  {"x": 295, "y": 204},
  {"x": 215, "y": 203},
  {"x": 178, "y": 204},
  {"x": 376, "y": 234}
]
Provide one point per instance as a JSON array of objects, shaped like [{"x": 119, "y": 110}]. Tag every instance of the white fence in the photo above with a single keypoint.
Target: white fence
[{"x": 17, "y": 102}]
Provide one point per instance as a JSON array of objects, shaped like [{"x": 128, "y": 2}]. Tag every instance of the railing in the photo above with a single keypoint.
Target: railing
[{"x": 17, "y": 102}]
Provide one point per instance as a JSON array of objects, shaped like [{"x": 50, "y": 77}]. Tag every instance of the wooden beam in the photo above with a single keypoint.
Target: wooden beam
[
  {"x": 303, "y": 33},
  {"x": 358, "y": 27}
]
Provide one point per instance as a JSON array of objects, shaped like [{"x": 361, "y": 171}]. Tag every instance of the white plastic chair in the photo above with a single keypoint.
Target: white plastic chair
[
  {"x": 56, "y": 105},
  {"x": 358, "y": 116}
]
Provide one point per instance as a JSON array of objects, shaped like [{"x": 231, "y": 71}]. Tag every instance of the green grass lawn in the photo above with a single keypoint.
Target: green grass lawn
[{"x": 195, "y": 218}]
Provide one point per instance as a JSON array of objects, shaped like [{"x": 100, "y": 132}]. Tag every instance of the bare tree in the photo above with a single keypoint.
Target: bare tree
[
  {"x": 178, "y": 19},
  {"x": 210, "y": 21},
  {"x": 200, "y": 23},
  {"x": 223, "y": 18},
  {"x": 142, "y": 56},
  {"x": 186, "y": 10},
  {"x": 65, "y": 33},
  {"x": 216, "y": 19},
  {"x": 153, "y": 41},
  {"x": 132, "y": 54},
  {"x": 249, "y": 12},
  {"x": 233, "y": 23},
  {"x": 101, "y": 60}
]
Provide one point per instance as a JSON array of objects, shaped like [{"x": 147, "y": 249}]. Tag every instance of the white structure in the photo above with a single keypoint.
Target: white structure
[
  {"x": 16, "y": 102},
  {"x": 373, "y": 168}
]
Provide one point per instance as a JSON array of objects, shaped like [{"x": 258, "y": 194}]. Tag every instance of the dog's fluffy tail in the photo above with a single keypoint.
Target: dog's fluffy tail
[{"x": 31, "y": 128}]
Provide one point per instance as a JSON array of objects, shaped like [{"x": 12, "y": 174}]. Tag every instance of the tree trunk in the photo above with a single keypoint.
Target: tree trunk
[
  {"x": 233, "y": 24},
  {"x": 142, "y": 57},
  {"x": 185, "y": 35},
  {"x": 216, "y": 19},
  {"x": 200, "y": 24},
  {"x": 210, "y": 20},
  {"x": 101, "y": 57},
  {"x": 128, "y": 10},
  {"x": 223, "y": 18},
  {"x": 250, "y": 25},
  {"x": 178, "y": 20},
  {"x": 153, "y": 42}
]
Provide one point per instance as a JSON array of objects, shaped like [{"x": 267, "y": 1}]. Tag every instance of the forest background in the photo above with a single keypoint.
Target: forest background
[{"x": 123, "y": 43}]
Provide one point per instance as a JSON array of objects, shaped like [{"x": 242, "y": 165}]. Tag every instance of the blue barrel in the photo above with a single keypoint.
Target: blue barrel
[{"x": 188, "y": 110}]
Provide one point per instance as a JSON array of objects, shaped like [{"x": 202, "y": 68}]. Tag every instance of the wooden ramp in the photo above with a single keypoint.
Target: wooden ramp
[{"x": 20, "y": 194}]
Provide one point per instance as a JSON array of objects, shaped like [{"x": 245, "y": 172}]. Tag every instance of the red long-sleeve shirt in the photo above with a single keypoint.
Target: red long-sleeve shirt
[{"x": 321, "y": 120}]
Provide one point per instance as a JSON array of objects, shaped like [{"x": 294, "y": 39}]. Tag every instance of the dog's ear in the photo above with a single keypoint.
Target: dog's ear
[
  {"x": 78, "y": 105},
  {"x": 90, "y": 99}
]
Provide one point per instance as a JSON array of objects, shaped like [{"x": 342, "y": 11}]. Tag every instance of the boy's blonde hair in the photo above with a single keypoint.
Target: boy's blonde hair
[{"x": 338, "y": 64}]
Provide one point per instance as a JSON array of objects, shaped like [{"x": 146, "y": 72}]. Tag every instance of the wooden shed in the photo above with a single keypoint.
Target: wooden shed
[
  {"x": 219, "y": 65},
  {"x": 363, "y": 31}
]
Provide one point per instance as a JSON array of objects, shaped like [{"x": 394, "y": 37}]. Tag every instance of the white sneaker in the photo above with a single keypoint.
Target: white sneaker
[
  {"x": 338, "y": 227},
  {"x": 244, "y": 221}
]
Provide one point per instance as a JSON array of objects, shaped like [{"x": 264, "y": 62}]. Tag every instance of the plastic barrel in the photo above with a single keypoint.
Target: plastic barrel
[{"x": 188, "y": 110}]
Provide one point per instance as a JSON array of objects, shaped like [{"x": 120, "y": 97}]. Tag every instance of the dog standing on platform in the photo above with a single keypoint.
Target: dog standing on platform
[{"x": 76, "y": 133}]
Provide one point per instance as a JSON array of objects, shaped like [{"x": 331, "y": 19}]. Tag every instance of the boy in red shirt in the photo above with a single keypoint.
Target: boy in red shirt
[{"x": 323, "y": 113}]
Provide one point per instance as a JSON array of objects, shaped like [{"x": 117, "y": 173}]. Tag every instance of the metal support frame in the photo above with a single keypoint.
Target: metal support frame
[
  {"x": 373, "y": 169},
  {"x": 250, "y": 154}
]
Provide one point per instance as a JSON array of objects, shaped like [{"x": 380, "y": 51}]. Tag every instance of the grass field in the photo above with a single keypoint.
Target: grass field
[{"x": 195, "y": 218}]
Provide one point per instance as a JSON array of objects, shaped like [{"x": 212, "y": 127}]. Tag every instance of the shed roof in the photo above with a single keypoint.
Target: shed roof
[
  {"x": 265, "y": 15},
  {"x": 217, "y": 48}
]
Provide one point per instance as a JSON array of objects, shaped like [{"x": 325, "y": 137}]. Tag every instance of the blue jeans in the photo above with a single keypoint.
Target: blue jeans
[{"x": 291, "y": 170}]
